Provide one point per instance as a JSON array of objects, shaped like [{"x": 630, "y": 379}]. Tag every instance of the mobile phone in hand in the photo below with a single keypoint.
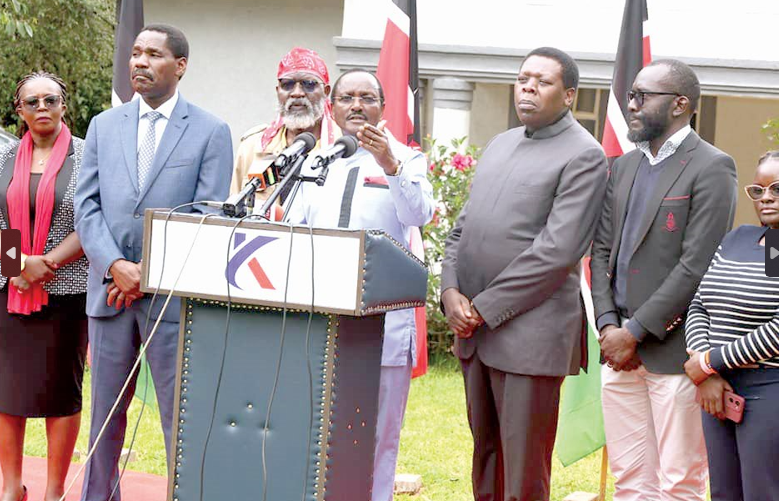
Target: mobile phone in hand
[{"x": 734, "y": 406}]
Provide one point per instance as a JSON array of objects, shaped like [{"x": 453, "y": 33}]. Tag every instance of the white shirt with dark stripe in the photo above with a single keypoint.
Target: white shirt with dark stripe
[{"x": 735, "y": 312}]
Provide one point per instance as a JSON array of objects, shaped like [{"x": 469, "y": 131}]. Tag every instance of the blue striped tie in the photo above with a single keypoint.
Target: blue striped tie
[{"x": 147, "y": 149}]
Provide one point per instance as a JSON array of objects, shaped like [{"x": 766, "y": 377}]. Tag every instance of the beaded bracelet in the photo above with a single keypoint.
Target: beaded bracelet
[{"x": 706, "y": 363}]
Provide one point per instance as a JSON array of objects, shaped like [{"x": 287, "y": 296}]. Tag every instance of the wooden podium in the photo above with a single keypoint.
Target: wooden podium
[{"x": 306, "y": 317}]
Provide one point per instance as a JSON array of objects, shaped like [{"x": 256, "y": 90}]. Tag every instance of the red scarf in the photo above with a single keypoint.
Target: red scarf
[{"x": 18, "y": 201}]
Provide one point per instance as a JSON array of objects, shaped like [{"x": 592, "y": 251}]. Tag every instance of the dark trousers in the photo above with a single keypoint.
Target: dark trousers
[
  {"x": 114, "y": 343},
  {"x": 513, "y": 420},
  {"x": 744, "y": 458}
]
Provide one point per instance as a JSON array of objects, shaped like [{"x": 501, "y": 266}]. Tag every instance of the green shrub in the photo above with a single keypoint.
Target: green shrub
[{"x": 451, "y": 171}]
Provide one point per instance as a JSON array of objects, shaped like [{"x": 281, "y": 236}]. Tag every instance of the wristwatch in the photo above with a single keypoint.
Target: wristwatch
[
  {"x": 398, "y": 169},
  {"x": 23, "y": 259}
]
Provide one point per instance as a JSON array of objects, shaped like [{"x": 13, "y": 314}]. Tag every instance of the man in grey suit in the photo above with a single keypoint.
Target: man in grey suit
[
  {"x": 511, "y": 279},
  {"x": 154, "y": 152},
  {"x": 668, "y": 205}
]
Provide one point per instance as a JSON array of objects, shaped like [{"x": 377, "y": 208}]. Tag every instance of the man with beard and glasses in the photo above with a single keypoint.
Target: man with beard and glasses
[
  {"x": 668, "y": 205},
  {"x": 302, "y": 90}
]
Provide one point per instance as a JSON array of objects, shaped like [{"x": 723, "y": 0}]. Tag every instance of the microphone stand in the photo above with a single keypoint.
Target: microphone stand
[
  {"x": 324, "y": 164},
  {"x": 292, "y": 176}
]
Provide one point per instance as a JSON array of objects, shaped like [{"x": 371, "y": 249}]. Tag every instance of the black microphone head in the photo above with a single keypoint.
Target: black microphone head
[
  {"x": 308, "y": 139},
  {"x": 350, "y": 145}
]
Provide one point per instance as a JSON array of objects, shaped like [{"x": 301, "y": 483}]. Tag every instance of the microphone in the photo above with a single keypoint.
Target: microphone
[
  {"x": 268, "y": 177},
  {"x": 303, "y": 143},
  {"x": 343, "y": 148},
  {"x": 234, "y": 205}
]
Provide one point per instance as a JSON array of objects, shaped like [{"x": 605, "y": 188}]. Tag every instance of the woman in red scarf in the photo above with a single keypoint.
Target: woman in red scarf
[{"x": 43, "y": 334}]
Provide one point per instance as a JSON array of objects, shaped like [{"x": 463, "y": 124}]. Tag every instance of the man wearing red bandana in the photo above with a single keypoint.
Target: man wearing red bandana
[{"x": 302, "y": 90}]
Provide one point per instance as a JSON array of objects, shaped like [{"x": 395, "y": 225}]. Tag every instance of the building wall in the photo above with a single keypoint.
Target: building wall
[
  {"x": 689, "y": 28},
  {"x": 236, "y": 45},
  {"x": 489, "y": 112},
  {"x": 739, "y": 134}
]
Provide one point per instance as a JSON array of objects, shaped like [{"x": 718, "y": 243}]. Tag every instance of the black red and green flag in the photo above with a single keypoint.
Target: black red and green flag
[
  {"x": 580, "y": 430},
  {"x": 129, "y": 24},
  {"x": 633, "y": 53}
]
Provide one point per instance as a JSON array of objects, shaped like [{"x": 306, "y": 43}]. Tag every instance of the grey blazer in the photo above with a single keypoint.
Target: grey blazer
[
  {"x": 194, "y": 161},
  {"x": 516, "y": 248},
  {"x": 71, "y": 278},
  {"x": 686, "y": 217}
]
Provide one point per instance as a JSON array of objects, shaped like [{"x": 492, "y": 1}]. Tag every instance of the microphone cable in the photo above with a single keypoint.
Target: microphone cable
[
  {"x": 224, "y": 352},
  {"x": 145, "y": 329},
  {"x": 278, "y": 369},
  {"x": 142, "y": 351}
]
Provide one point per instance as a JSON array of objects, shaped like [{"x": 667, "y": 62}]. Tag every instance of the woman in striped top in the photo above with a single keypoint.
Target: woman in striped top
[{"x": 733, "y": 340}]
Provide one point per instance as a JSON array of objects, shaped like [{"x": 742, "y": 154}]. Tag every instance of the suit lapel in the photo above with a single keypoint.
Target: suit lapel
[
  {"x": 623, "y": 188},
  {"x": 129, "y": 139},
  {"x": 5, "y": 180},
  {"x": 173, "y": 132},
  {"x": 673, "y": 168},
  {"x": 63, "y": 178}
]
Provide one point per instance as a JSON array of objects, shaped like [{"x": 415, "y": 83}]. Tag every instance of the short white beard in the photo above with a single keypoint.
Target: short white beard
[{"x": 305, "y": 119}]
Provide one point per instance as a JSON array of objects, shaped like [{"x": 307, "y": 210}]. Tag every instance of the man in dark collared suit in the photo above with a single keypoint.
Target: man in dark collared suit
[
  {"x": 668, "y": 205},
  {"x": 511, "y": 278},
  {"x": 156, "y": 151}
]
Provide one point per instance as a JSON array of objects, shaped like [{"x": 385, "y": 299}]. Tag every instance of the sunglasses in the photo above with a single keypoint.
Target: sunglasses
[
  {"x": 366, "y": 100},
  {"x": 288, "y": 84},
  {"x": 756, "y": 192},
  {"x": 640, "y": 95},
  {"x": 51, "y": 102}
]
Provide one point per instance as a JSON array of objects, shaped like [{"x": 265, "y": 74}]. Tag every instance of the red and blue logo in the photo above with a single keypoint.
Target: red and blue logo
[{"x": 245, "y": 255}]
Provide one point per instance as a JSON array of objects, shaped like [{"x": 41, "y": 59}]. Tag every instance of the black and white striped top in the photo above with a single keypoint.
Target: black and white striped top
[{"x": 736, "y": 309}]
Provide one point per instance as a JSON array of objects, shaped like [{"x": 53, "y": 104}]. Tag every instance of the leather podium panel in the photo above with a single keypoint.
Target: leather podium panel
[
  {"x": 355, "y": 408},
  {"x": 319, "y": 445}
]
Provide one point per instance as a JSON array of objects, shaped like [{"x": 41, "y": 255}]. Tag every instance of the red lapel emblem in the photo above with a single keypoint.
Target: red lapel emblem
[{"x": 670, "y": 223}]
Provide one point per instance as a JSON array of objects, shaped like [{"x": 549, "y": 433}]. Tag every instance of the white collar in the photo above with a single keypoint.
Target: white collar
[
  {"x": 166, "y": 108},
  {"x": 668, "y": 148}
]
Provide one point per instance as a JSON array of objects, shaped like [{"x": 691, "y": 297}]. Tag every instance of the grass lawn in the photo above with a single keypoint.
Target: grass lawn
[{"x": 435, "y": 442}]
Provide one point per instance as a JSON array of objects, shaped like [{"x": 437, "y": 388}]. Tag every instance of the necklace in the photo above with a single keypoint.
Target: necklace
[{"x": 43, "y": 161}]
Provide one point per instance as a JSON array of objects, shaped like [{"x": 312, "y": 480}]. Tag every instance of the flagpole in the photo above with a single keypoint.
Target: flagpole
[{"x": 604, "y": 474}]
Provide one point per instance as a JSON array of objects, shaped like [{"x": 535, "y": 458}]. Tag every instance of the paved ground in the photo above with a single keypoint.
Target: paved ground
[{"x": 135, "y": 486}]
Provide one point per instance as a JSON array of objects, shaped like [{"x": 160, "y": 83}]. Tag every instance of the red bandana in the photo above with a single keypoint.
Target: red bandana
[
  {"x": 303, "y": 60},
  {"x": 307, "y": 61}
]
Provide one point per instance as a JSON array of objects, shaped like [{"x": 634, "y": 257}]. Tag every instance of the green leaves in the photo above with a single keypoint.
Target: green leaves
[
  {"x": 14, "y": 19},
  {"x": 451, "y": 169},
  {"x": 72, "y": 38},
  {"x": 771, "y": 129}
]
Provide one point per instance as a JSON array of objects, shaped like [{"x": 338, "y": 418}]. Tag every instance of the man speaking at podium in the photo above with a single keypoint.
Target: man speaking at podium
[
  {"x": 382, "y": 186},
  {"x": 302, "y": 90},
  {"x": 153, "y": 152}
]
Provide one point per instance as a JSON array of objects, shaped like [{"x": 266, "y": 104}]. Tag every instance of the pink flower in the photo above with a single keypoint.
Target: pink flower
[
  {"x": 436, "y": 219},
  {"x": 462, "y": 162},
  {"x": 432, "y": 166}
]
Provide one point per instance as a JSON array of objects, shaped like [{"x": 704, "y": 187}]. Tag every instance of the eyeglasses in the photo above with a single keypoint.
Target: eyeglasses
[
  {"x": 51, "y": 102},
  {"x": 288, "y": 84},
  {"x": 756, "y": 192},
  {"x": 366, "y": 100},
  {"x": 640, "y": 95}
]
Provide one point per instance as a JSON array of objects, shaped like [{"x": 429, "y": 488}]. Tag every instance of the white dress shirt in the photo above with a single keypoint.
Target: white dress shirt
[
  {"x": 166, "y": 109},
  {"x": 393, "y": 204}
]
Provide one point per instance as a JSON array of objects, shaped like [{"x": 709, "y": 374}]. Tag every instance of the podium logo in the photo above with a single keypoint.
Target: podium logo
[{"x": 245, "y": 256}]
